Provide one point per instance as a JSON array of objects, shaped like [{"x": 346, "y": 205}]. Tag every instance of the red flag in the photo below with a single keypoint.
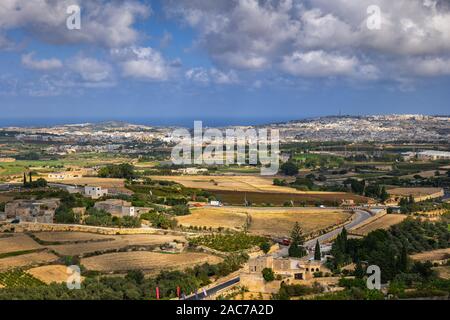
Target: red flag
[
  {"x": 178, "y": 291},
  {"x": 157, "y": 293}
]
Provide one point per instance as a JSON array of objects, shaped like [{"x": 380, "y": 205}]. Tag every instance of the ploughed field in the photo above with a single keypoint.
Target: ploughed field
[
  {"x": 147, "y": 261},
  {"x": 265, "y": 221},
  {"x": 278, "y": 199}
]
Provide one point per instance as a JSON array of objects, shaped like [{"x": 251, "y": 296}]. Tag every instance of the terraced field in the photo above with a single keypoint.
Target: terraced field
[
  {"x": 119, "y": 242},
  {"x": 146, "y": 261},
  {"x": 51, "y": 273},
  {"x": 17, "y": 242},
  {"x": 25, "y": 260},
  {"x": 70, "y": 236}
]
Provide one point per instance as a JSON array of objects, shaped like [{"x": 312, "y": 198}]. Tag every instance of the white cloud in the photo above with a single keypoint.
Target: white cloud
[
  {"x": 105, "y": 23},
  {"x": 207, "y": 76},
  {"x": 142, "y": 63},
  {"x": 41, "y": 65},
  {"x": 91, "y": 70},
  {"x": 429, "y": 67},
  {"x": 293, "y": 35}
]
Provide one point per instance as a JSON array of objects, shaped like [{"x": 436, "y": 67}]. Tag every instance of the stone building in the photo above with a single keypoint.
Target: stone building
[
  {"x": 116, "y": 207},
  {"x": 42, "y": 211},
  {"x": 285, "y": 267}
]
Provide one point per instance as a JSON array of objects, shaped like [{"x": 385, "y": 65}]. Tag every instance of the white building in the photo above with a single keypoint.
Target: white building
[
  {"x": 433, "y": 155},
  {"x": 95, "y": 192}
]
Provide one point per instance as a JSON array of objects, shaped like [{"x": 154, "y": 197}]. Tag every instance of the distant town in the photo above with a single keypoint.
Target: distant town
[{"x": 350, "y": 193}]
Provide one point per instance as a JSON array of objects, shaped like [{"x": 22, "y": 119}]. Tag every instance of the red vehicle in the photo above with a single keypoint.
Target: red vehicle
[{"x": 286, "y": 242}]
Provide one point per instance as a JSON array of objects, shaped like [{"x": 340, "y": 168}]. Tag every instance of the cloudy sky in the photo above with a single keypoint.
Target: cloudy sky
[{"x": 242, "y": 59}]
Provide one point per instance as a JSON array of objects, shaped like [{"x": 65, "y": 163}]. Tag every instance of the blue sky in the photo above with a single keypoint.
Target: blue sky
[{"x": 236, "y": 59}]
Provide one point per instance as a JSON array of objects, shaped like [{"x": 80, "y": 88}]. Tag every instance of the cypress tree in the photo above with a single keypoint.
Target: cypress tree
[
  {"x": 24, "y": 179},
  {"x": 317, "y": 253},
  {"x": 31, "y": 179}
]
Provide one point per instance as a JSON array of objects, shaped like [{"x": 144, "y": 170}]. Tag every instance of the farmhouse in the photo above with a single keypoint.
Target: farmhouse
[
  {"x": 116, "y": 207},
  {"x": 419, "y": 194},
  {"x": 41, "y": 211},
  {"x": 285, "y": 267},
  {"x": 95, "y": 192}
]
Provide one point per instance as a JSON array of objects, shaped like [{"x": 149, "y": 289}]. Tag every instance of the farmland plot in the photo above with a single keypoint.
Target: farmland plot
[
  {"x": 119, "y": 242},
  {"x": 18, "y": 242},
  {"x": 146, "y": 261},
  {"x": 31, "y": 259}
]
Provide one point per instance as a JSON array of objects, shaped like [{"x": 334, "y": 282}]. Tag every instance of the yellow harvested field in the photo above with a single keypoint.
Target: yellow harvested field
[
  {"x": 415, "y": 192},
  {"x": 146, "y": 261},
  {"x": 384, "y": 222},
  {"x": 24, "y": 260},
  {"x": 443, "y": 272},
  {"x": 440, "y": 254},
  {"x": 214, "y": 218},
  {"x": 51, "y": 273},
  {"x": 280, "y": 222},
  {"x": 70, "y": 236},
  {"x": 234, "y": 183},
  {"x": 266, "y": 221},
  {"x": 17, "y": 242},
  {"x": 120, "y": 241},
  {"x": 101, "y": 182}
]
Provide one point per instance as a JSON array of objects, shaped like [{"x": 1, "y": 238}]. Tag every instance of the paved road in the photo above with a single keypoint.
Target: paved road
[
  {"x": 214, "y": 290},
  {"x": 361, "y": 216}
]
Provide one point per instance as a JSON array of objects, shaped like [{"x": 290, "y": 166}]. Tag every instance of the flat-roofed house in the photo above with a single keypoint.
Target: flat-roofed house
[
  {"x": 95, "y": 192},
  {"x": 42, "y": 211},
  {"x": 286, "y": 267},
  {"x": 116, "y": 207}
]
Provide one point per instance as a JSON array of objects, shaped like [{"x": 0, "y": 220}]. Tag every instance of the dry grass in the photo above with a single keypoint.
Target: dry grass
[
  {"x": 233, "y": 183},
  {"x": 214, "y": 218},
  {"x": 265, "y": 221},
  {"x": 146, "y": 261},
  {"x": 70, "y": 236},
  {"x": 279, "y": 222},
  {"x": 384, "y": 222},
  {"x": 27, "y": 260},
  {"x": 120, "y": 241},
  {"x": 443, "y": 272},
  {"x": 416, "y": 192},
  {"x": 51, "y": 273},
  {"x": 17, "y": 242},
  {"x": 440, "y": 254}
]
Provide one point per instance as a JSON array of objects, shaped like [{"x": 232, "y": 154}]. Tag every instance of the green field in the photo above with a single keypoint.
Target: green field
[{"x": 19, "y": 278}]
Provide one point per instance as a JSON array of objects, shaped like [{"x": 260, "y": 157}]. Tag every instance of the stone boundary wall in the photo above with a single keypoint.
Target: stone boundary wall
[{"x": 48, "y": 227}]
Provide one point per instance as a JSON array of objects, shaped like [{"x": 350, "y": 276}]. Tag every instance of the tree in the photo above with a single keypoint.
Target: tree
[
  {"x": 317, "y": 253},
  {"x": 30, "y": 174},
  {"x": 136, "y": 276},
  {"x": 403, "y": 260},
  {"x": 296, "y": 248},
  {"x": 265, "y": 246},
  {"x": 24, "y": 179},
  {"x": 289, "y": 168},
  {"x": 359, "y": 271},
  {"x": 297, "y": 234},
  {"x": 268, "y": 274}
]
